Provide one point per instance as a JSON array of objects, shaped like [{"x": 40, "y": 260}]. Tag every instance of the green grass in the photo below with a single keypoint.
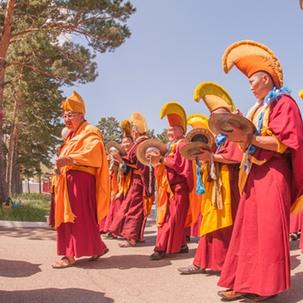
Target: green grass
[{"x": 34, "y": 208}]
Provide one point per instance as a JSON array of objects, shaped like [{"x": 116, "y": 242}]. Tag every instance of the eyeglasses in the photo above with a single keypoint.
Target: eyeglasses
[{"x": 70, "y": 115}]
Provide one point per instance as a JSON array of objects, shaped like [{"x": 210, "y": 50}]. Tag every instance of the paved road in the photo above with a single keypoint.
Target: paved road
[{"x": 123, "y": 275}]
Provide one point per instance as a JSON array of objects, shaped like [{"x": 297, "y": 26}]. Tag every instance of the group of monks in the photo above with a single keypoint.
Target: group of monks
[{"x": 236, "y": 187}]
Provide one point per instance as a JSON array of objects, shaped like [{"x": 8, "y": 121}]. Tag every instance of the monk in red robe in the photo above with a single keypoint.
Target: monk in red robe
[
  {"x": 177, "y": 172},
  {"x": 82, "y": 187},
  {"x": 132, "y": 214},
  {"x": 120, "y": 183},
  {"x": 213, "y": 245},
  {"x": 217, "y": 222},
  {"x": 257, "y": 264}
]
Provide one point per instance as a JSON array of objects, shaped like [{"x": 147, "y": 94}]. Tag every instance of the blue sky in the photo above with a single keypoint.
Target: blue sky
[{"x": 177, "y": 44}]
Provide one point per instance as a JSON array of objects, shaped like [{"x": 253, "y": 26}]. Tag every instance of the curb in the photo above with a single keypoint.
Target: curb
[{"x": 26, "y": 224}]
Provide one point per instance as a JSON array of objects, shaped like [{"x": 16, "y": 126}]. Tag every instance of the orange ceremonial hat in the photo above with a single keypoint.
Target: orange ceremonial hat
[
  {"x": 126, "y": 128},
  {"x": 251, "y": 57},
  {"x": 74, "y": 103},
  {"x": 214, "y": 96},
  {"x": 175, "y": 114},
  {"x": 138, "y": 121}
]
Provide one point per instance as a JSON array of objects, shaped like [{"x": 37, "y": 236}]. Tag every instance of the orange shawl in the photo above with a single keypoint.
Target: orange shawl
[
  {"x": 195, "y": 200},
  {"x": 164, "y": 192},
  {"x": 87, "y": 150}
]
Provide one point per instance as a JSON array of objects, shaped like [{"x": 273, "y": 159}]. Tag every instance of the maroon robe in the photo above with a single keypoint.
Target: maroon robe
[
  {"x": 81, "y": 238},
  {"x": 171, "y": 234},
  {"x": 195, "y": 228},
  {"x": 130, "y": 219},
  {"x": 113, "y": 210},
  {"x": 212, "y": 248},
  {"x": 258, "y": 259}
]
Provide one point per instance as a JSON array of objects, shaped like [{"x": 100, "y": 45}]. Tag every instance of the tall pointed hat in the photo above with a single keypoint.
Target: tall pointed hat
[
  {"x": 214, "y": 96},
  {"x": 175, "y": 114},
  {"x": 138, "y": 121},
  {"x": 251, "y": 57}
]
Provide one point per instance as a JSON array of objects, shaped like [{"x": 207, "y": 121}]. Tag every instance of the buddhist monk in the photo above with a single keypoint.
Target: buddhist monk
[
  {"x": 178, "y": 183},
  {"x": 82, "y": 187},
  {"x": 257, "y": 264},
  {"x": 218, "y": 211},
  {"x": 132, "y": 214}
]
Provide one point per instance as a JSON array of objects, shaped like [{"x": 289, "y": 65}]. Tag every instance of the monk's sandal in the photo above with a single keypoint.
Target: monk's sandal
[{"x": 191, "y": 269}]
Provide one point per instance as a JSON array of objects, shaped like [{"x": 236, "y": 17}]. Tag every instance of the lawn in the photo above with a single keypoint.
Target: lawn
[{"x": 27, "y": 207}]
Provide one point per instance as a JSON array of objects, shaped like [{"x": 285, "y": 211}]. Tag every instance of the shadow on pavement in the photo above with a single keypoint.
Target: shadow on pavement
[
  {"x": 30, "y": 233},
  {"x": 293, "y": 295},
  {"x": 123, "y": 262},
  {"x": 294, "y": 245},
  {"x": 148, "y": 241},
  {"x": 17, "y": 269},
  {"x": 51, "y": 295},
  {"x": 132, "y": 261},
  {"x": 295, "y": 261}
]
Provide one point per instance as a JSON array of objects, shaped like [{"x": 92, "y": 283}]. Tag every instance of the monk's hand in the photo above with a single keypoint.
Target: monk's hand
[
  {"x": 237, "y": 135},
  {"x": 153, "y": 156},
  {"x": 64, "y": 161},
  {"x": 241, "y": 137},
  {"x": 204, "y": 157},
  {"x": 116, "y": 157}
]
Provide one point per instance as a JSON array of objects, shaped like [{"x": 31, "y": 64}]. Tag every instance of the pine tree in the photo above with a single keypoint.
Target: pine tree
[
  {"x": 110, "y": 129},
  {"x": 31, "y": 49}
]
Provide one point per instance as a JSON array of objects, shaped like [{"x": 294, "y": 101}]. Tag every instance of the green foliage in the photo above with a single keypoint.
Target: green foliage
[
  {"x": 53, "y": 43},
  {"x": 163, "y": 136},
  {"x": 101, "y": 22},
  {"x": 36, "y": 197},
  {"x": 27, "y": 213},
  {"x": 31, "y": 207},
  {"x": 151, "y": 134},
  {"x": 110, "y": 129}
]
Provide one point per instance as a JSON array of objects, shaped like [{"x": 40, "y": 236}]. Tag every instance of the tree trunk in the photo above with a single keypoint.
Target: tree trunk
[
  {"x": 17, "y": 181},
  {"x": 28, "y": 187},
  {"x": 40, "y": 188},
  {"x": 4, "y": 44},
  {"x": 12, "y": 148}
]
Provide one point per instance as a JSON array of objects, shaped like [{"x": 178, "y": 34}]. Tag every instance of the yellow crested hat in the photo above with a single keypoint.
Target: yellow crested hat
[
  {"x": 197, "y": 121},
  {"x": 301, "y": 94},
  {"x": 74, "y": 103},
  {"x": 175, "y": 114},
  {"x": 214, "y": 96},
  {"x": 138, "y": 121},
  {"x": 126, "y": 128},
  {"x": 251, "y": 57}
]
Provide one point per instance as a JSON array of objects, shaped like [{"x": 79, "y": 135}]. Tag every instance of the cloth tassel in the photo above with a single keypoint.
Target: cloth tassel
[{"x": 200, "y": 189}]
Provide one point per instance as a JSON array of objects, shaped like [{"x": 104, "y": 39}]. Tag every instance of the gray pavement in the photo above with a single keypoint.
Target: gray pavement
[{"x": 122, "y": 275}]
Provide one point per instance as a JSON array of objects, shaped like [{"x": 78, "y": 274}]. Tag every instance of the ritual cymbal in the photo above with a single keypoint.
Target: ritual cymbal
[
  {"x": 226, "y": 122},
  {"x": 149, "y": 145},
  {"x": 114, "y": 146},
  {"x": 193, "y": 149}
]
